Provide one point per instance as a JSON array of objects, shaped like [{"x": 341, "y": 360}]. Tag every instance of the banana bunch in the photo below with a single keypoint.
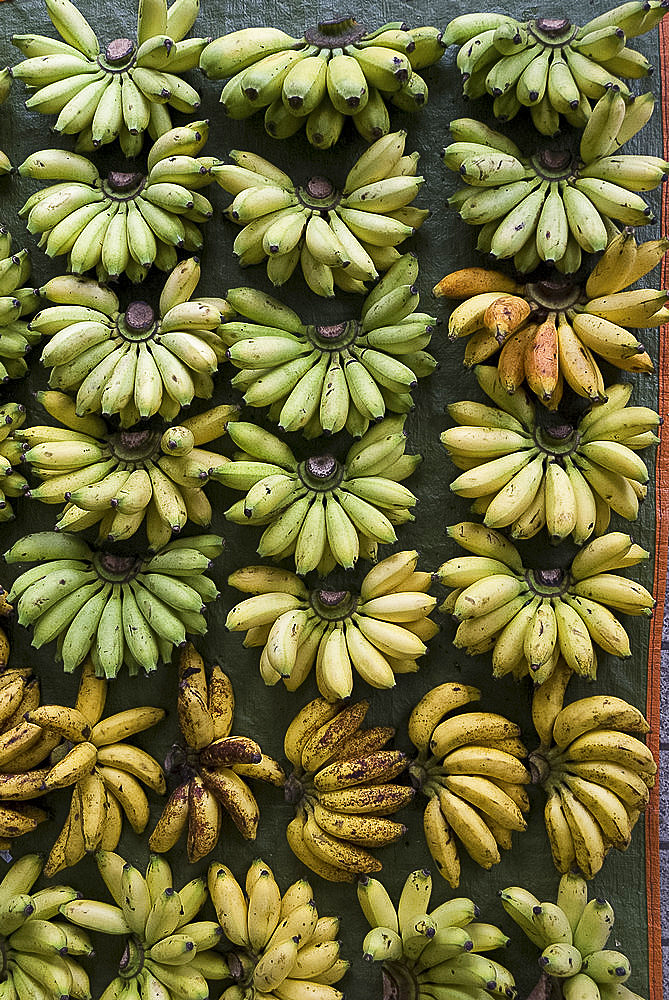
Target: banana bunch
[
  {"x": 121, "y": 479},
  {"x": 573, "y": 934},
  {"x": 378, "y": 631},
  {"x": 469, "y": 766},
  {"x": 118, "y": 93},
  {"x": 337, "y": 70},
  {"x": 321, "y": 511},
  {"x": 529, "y": 617},
  {"x": 282, "y": 948},
  {"x": 555, "y": 204},
  {"x": 348, "y": 373},
  {"x": 167, "y": 952},
  {"x": 119, "y": 609},
  {"x": 548, "y": 64},
  {"x": 134, "y": 363},
  {"x": 343, "y": 789},
  {"x": 442, "y": 955},
  {"x": 338, "y": 237},
  {"x": 596, "y": 775},
  {"x": 548, "y": 331},
  {"x": 40, "y": 955},
  {"x": 211, "y": 765},
  {"x": 524, "y": 474},
  {"x": 127, "y": 221},
  {"x": 12, "y": 483},
  {"x": 16, "y": 302}
]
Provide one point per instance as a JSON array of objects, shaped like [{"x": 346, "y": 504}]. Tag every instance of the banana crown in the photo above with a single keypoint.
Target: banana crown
[
  {"x": 16, "y": 302},
  {"x": 120, "y": 92}
]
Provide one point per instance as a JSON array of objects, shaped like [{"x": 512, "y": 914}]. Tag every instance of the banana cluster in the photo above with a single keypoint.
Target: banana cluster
[
  {"x": 119, "y": 609},
  {"x": 529, "y": 617},
  {"x": 325, "y": 377},
  {"x": 555, "y": 204},
  {"x": 118, "y": 93},
  {"x": 134, "y": 363},
  {"x": 548, "y": 64},
  {"x": 321, "y": 511},
  {"x": 282, "y": 948},
  {"x": 341, "y": 238},
  {"x": 127, "y": 221},
  {"x": 469, "y": 766},
  {"x": 525, "y": 474},
  {"x": 442, "y": 955},
  {"x": 573, "y": 934},
  {"x": 167, "y": 953},
  {"x": 16, "y": 302},
  {"x": 379, "y": 631},
  {"x": 39, "y": 953},
  {"x": 12, "y": 483},
  {"x": 343, "y": 789},
  {"x": 337, "y": 70},
  {"x": 211, "y": 765},
  {"x": 548, "y": 331},
  {"x": 121, "y": 479}
]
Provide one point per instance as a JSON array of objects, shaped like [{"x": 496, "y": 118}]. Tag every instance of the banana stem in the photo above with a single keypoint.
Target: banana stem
[{"x": 399, "y": 983}]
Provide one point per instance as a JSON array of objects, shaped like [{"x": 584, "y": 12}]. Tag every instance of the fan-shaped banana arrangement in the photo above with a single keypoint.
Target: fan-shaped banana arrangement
[
  {"x": 443, "y": 953},
  {"x": 528, "y": 617},
  {"x": 322, "y": 511},
  {"x": 338, "y": 237},
  {"x": 127, "y": 221},
  {"x": 343, "y": 789},
  {"x": 548, "y": 64},
  {"x": 119, "y": 92},
  {"x": 469, "y": 766},
  {"x": 526, "y": 474},
  {"x": 210, "y": 764},
  {"x": 337, "y": 70},
  {"x": 554, "y": 204},
  {"x": 119, "y": 609},
  {"x": 377, "y": 632},
  {"x": 12, "y": 483},
  {"x": 167, "y": 951},
  {"x": 136, "y": 363},
  {"x": 16, "y": 302},
  {"x": 356, "y": 370}
]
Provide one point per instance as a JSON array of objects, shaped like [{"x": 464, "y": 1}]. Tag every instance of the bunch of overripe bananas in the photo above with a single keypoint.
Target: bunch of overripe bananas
[
  {"x": 39, "y": 954},
  {"x": 167, "y": 952},
  {"x": 12, "y": 483},
  {"x": 119, "y": 93},
  {"x": 528, "y": 617},
  {"x": 432, "y": 956},
  {"x": 211, "y": 765},
  {"x": 553, "y": 204},
  {"x": 128, "y": 221},
  {"x": 121, "y": 479},
  {"x": 548, "y": 331},
  {"x": 133, "y": 363},
  {"x": 16, "y": 301},
  {"x": 282, "y": 948},
  {"x": 342, "y": 789},
  {"x": 525, "y": 474},
  {"x": 470, "y": 768},
  {"x": 321, "y": 511},
  {"x": 119, "y": 609},
  {"x": 327, "y": 376},
  {"x": 379, "y": 631},
  {"x": 548, "y": 64},
  {"x": 573, "y": 934},
  {"x": 337, "y": 70},
  {"x": 341, "y": 238}
]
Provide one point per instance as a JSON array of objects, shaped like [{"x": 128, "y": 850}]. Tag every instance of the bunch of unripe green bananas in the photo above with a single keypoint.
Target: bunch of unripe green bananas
[
  {"x": 119, "y": 609},
  {"x": 322, "y": 378},
  {"x": 548, "y": 64},
  {"x": 16, "y": 301},
  {"x": 135, "y": 363},
  {"x": 337, "y": 70},
  {"x": 338, "y": 237},
  {"x": 322, "y": 511},
  {"x": 553, "y": 204},
  {"x": 128, "y": 221},
  {"x": 118, "y": 93},
  {"x": 12, "y": 483}
]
